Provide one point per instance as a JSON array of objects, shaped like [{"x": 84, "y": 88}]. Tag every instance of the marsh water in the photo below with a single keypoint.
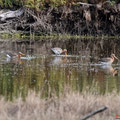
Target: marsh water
[{"x": 41, "y": 71}]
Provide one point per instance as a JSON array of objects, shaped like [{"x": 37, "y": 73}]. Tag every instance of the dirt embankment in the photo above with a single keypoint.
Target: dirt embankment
[{"x": 80, "y": 19}]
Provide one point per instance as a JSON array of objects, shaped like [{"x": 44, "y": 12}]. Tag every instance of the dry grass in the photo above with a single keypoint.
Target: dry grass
[{"x": 70, "y": 106}]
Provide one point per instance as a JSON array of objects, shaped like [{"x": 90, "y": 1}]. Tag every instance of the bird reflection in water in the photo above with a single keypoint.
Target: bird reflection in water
[
  {"x": 108, "y": 69},
  {"x": 59, "y": 60}
]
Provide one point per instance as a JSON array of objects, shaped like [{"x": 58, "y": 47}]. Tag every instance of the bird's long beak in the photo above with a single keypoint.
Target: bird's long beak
[
  {"x": 19, "y": 54},
  {"x": 116, "y": 58},
  {"x": 65, "y": 53},
  {"x": 22, "y": 53}
]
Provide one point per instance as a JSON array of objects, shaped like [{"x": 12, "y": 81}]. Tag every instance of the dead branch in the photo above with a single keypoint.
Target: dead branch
[
  {"x": 81, "y": 3},
  {"x": 93, "y": 113},
  {"x": 11, "y": 14}
]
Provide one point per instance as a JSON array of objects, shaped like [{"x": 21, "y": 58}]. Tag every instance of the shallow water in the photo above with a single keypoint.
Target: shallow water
[{"x": 41, "y": 70}]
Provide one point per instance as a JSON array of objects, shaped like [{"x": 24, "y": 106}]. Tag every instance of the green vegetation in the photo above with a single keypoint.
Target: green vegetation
[
  {"x": 33, "y": 36},
  {"x": 36, "y": 4},
  {"x": 10, "y": 3},
  {"x": 39, "y": 4}
]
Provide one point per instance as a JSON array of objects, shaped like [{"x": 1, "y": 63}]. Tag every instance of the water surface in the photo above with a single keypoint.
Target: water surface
[{"x": 41, "y": 71}]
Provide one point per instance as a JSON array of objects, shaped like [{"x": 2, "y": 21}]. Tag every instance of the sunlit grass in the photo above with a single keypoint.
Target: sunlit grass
[
  {"x": 36, "y": 4},
  {"x": 34, "y": 36},
  {"x": 40, "y": 4}
]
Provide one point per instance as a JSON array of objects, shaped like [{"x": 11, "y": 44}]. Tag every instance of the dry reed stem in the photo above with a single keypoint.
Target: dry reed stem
[{"x": 70, "y": 106}]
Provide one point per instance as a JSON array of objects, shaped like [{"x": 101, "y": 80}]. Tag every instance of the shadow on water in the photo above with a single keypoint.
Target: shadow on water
[{"x": 42, "y": 71}]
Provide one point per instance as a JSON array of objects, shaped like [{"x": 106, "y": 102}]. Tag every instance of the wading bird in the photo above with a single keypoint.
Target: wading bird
[
  {"x": 109, "y": 60},
  {"x": 12, "y": 55},
  {"x": 59, "y": 51},
  {"x": 15, "y": 55}
]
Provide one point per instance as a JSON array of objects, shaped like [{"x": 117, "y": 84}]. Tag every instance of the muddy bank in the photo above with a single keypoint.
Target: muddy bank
[{"x": 80, "y": 19}]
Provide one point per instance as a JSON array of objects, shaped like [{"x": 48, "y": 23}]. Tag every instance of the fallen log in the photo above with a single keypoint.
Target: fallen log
[
  {"x": 93, "y": 113},
  {"x": 11, "y": 14}
]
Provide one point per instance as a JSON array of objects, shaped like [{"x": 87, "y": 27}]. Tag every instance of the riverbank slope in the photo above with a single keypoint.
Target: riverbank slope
[{"x": 75, "y": 19}]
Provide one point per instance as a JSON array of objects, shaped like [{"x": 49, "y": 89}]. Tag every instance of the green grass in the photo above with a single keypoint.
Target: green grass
[
  {"x": 21, "y": 36},
  {"x": 36, "y": 4},
  {"x": 40, "y": 4}
]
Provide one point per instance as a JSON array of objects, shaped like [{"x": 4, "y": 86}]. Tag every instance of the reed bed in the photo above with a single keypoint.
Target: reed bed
[{"x": 70, "y": 106}]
